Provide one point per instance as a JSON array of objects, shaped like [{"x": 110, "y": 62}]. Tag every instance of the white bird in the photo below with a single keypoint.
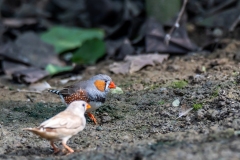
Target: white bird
[{"x": 64, "y": 125}]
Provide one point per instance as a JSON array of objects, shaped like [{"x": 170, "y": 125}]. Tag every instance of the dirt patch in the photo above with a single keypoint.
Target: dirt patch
[{"x": 141, "y": 123}]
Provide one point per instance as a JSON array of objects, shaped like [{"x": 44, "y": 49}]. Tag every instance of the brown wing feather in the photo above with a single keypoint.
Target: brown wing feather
[
  {"x": 78, "y": 95},
  {"x": 67, "y": 91}
]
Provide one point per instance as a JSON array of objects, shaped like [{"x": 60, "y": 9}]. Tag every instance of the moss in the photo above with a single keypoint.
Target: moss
[
  {"x": 179, "y": 84},
  {"x": 40, "y": 110},
  {"x": 112, "y": 111},
  {"x": 197, "y": 106},
  {"x": 235, "y": 73},
  {"x": 161, "y": 102},
  {"x": 215, "y": 92}
]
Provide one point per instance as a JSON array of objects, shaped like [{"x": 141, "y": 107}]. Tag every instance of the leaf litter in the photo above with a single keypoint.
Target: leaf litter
[
  {"x": 184, "y": 111},
  {"x": 135, "y": 63}
]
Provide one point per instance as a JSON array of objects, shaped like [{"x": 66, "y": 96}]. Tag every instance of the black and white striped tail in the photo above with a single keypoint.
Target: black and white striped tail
[
  {"x": 58, "y": 93},
  {"x": 54, "y": 91}
]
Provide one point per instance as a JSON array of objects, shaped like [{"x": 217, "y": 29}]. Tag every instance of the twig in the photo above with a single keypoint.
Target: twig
[
  {"x": 27, "y": 91},
  {"x": 176, "y": 25},
  {"x": 219, "y": 7},
  {"x": 235, "y": 23}
]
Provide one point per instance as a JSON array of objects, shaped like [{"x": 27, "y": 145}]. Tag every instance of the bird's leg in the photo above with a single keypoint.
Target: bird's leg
[
  {"x": 91, "y": 116},
  {"x": 70, "y": 150},
  {"x": 56, "y": 150}
]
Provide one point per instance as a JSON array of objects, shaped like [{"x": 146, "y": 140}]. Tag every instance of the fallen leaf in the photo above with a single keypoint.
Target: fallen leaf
[
  {"x": 29, "y": 75},
  {"x": 53, "y": 69},
  {"x": 163, "y": 10},
  {"x": 184, "y": 111},
  {"x": 89, "y": 52},
  {"x": 117, "y": 90},
  {"x": 155, "y": 34},
  {"x": 137, "y": 62},
  {"x": 222, "y": 19},
  {"x": 120, "y": 67},
  {"x": 74, "y": 78},
  {"x": 39, "y": 86},
  {"x": 15, "y": 23},
  {"x": 10, "y": 67},
  {"x": 29, "y": 49},
  {"x": 125, "y": 49},
  {"x": 64, "y": 39},
  {"x": 140, "y": 61}
]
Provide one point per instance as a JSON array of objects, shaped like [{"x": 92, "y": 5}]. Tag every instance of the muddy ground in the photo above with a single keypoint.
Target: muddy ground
[{"x": 141, "y": 123}]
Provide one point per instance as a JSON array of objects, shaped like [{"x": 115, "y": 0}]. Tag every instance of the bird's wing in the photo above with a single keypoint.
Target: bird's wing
[
  {"x": 63, "y": 120},
  {"x": 68, "y": 90}
]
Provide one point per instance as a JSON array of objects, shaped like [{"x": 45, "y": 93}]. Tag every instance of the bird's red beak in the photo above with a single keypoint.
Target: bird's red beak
[{"x": 112, "y": 85}]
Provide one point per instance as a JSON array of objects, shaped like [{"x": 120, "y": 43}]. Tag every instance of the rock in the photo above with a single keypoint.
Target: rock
[
  {"x": 237, "y": 56},
  {"x": 137, "y": 86},
  {"x": 99, "y": 128},
  {"x": 200, "y": 114},
  {"x": 23, "y": 140},
  {"x": 106, "y": 119},
  {"x": 207, "y": 84},
  {"x": 214, "y": 114},
  {"x": 126, "y": 138},
  {"x": 173, "y": 68},
  {"x": 197, "y": 78},
  {"x": 163, "y": 90},
  {"x": 236, "y": 124},
  {"x": 221, "y": 103},
  {"x": 215, "y": 128},
  {"x": 176, "y": 103}
]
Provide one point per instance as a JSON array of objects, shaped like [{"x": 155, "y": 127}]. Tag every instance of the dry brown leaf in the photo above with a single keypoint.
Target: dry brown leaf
[
  {"x": 120, "y": 68},
  {"x": 132, "y": 64},
  {"x": 140, "y": 61}
]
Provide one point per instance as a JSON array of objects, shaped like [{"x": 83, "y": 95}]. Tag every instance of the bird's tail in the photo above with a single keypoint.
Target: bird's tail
[
  {"x": 40, "y": 132},
  {"x": 54, "y": 91},
  {"x": 36, "y": 131},
  {"x": 58, "y": 93}
]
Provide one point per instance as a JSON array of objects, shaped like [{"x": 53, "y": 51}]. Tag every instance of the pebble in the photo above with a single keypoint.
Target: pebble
[
  {"x": 214, "y": 114},
  {"x": 99, "y": 128},
  {"x": 236, "y": 124},
  {"x": 176, "y": 103},
  {"x": 221, "y": 103},
  {"x": 106, "y": 119},
  {"x": 23, "y": 140},
  {"x": 200, "y": 114}
]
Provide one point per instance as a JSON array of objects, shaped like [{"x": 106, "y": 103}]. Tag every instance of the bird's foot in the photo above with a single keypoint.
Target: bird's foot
[
  {"x": 91, "y": 116},
  {"x": 67, "y": 150}
]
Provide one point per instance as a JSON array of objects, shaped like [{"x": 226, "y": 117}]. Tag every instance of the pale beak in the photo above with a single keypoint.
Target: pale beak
[
  {"x": 88, "y": 106},
  {"x": 112, "y": 85}
]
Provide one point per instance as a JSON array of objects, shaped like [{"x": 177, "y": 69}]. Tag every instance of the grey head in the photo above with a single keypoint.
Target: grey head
[{"x": 93, "y": 91}]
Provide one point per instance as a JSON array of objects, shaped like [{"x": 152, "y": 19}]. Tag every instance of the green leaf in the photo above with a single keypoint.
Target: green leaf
[
  {"x": 52, "y": 69},
  {"x": 117, "y": 90},
  {"x": 66, "y": 38},
  {"x": 89, "y": 52}
]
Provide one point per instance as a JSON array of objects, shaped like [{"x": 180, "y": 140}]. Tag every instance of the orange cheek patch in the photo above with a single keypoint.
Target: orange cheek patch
[{"x": 100, "y": 85}]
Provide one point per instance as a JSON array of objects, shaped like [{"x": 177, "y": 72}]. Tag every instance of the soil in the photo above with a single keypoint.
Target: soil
[{"x": 141, "y": 123}]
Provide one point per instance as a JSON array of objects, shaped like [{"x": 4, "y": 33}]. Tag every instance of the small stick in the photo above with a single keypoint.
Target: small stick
[
  {"x": 235, "y": 23},
  {"x": 176, "y": 25},
  {"x": 27, "y": 91}
]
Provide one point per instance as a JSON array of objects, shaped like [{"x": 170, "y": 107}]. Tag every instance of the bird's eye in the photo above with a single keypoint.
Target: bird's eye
[{"x": 83, "y": 105}]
